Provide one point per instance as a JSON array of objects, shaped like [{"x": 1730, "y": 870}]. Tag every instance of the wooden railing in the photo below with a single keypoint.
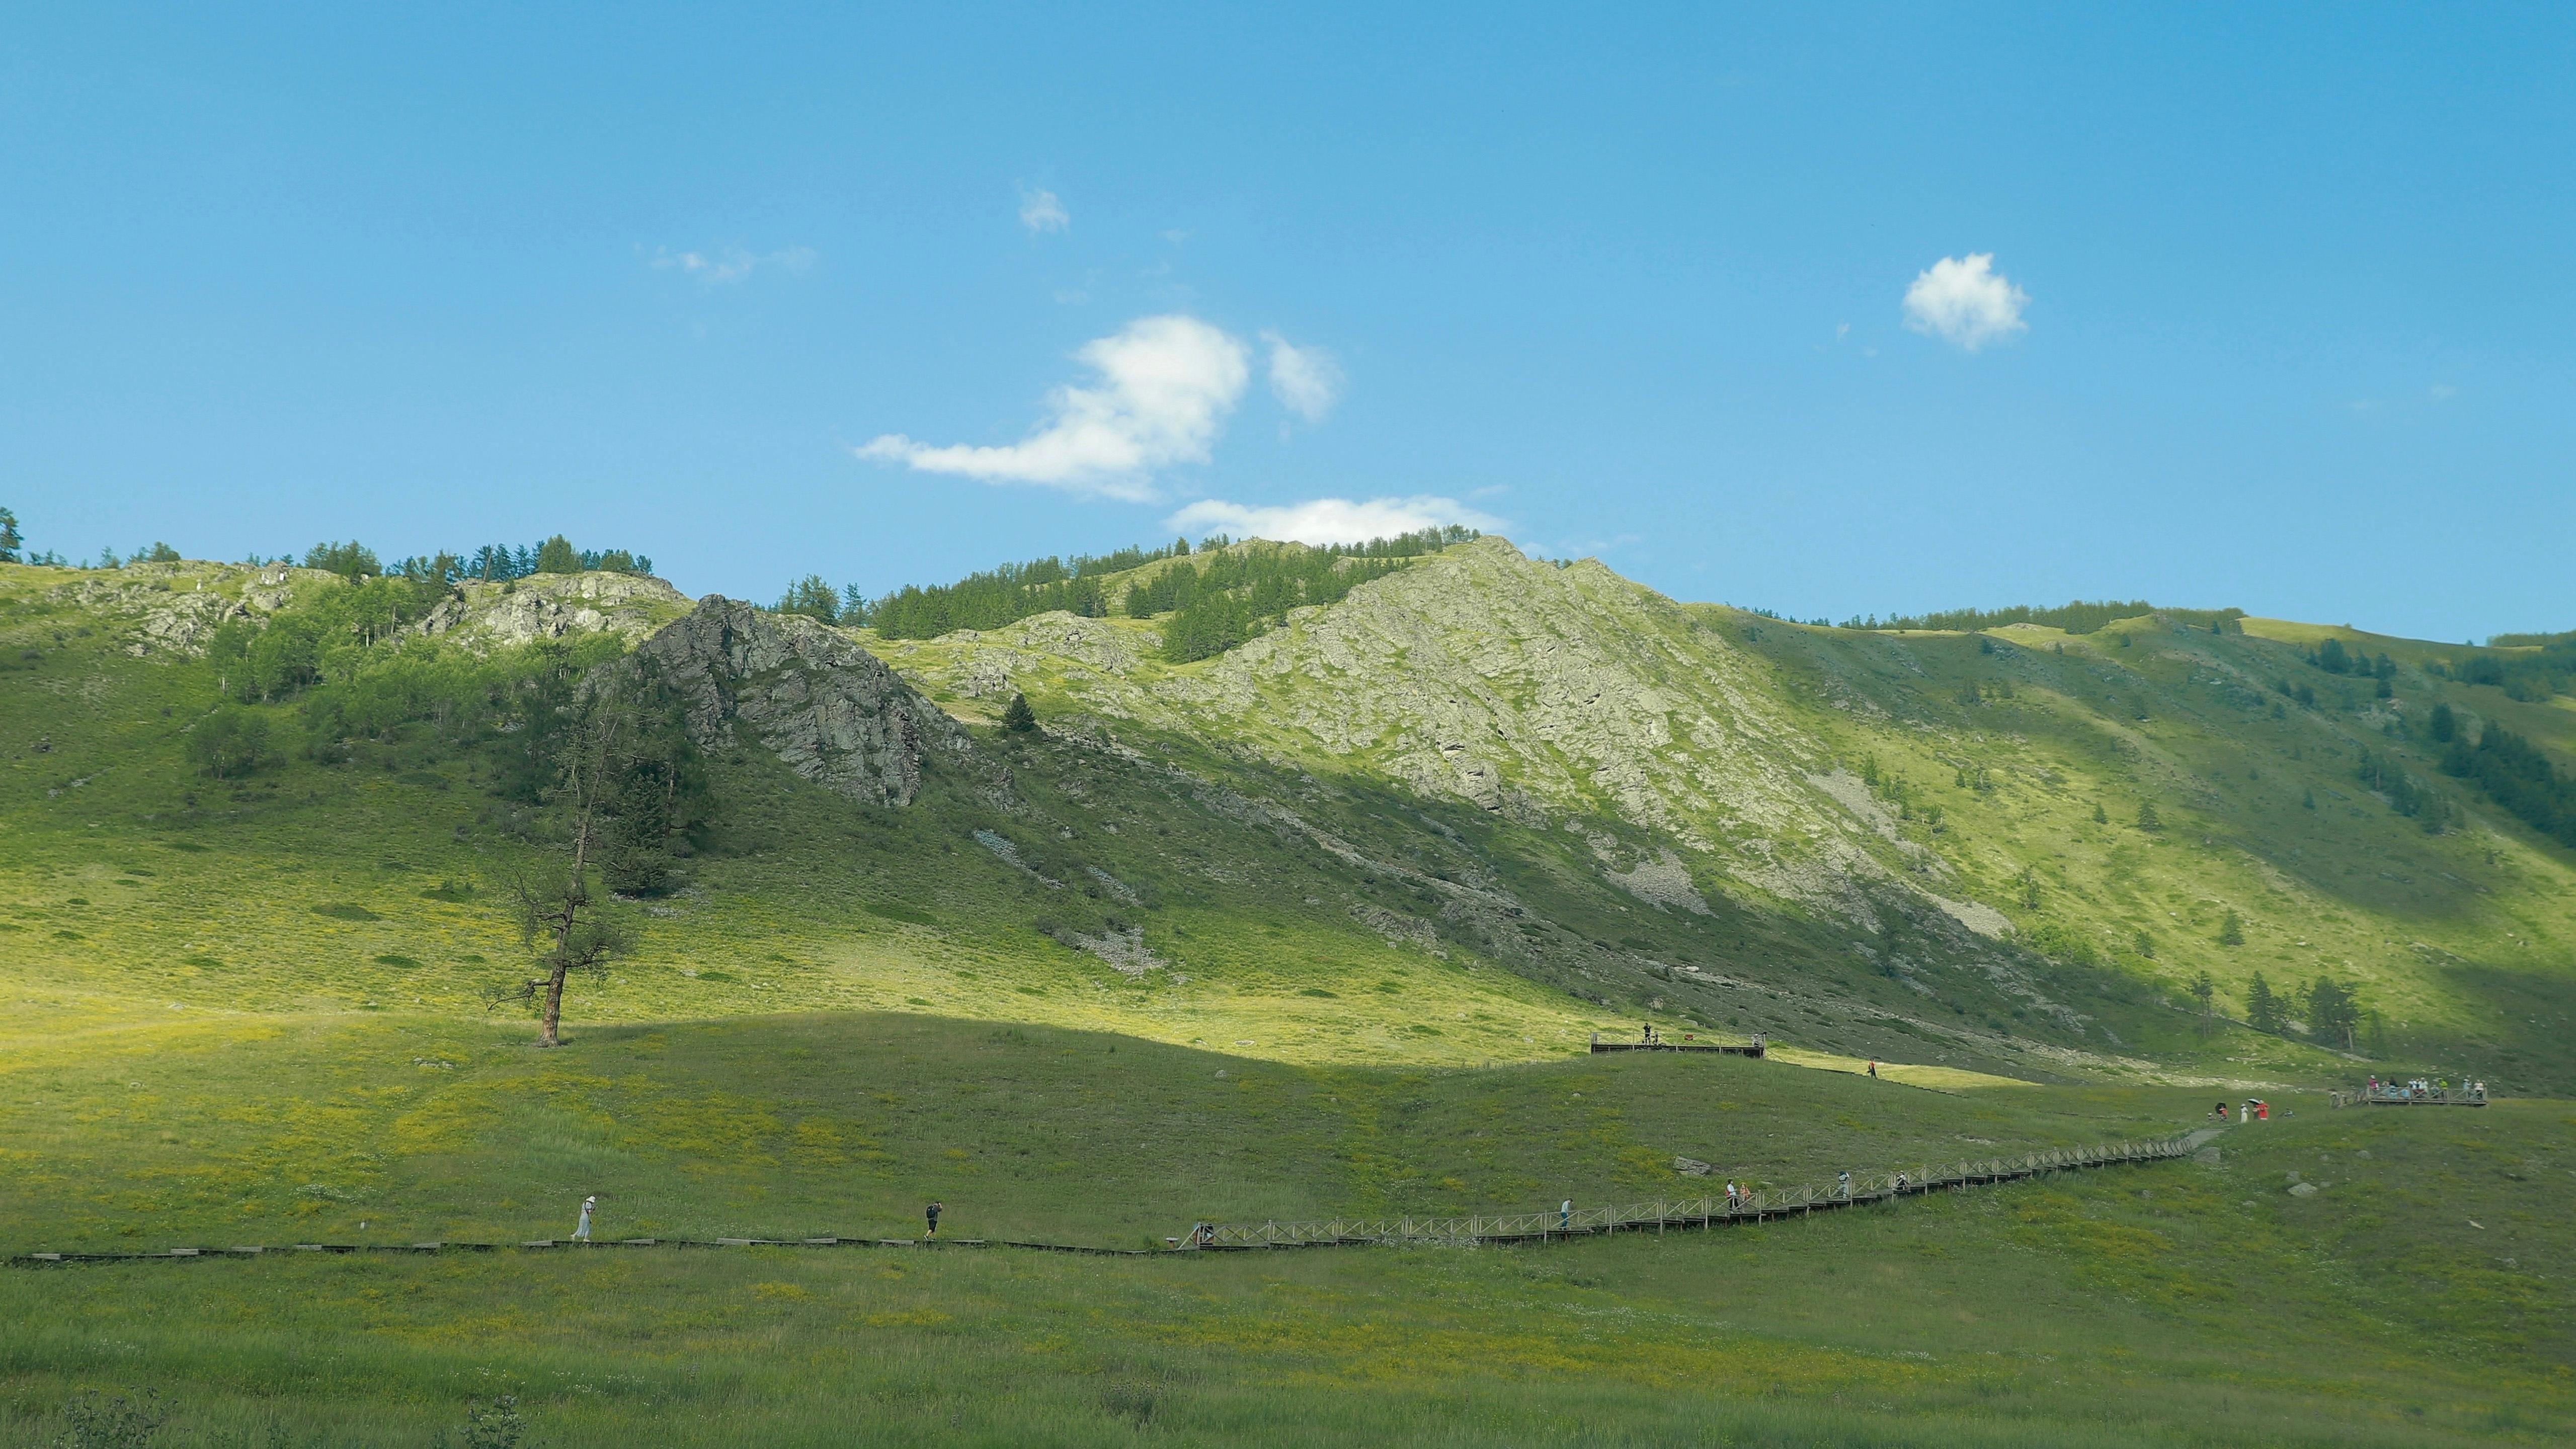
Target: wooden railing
[
  {"x": 1699, "y": 1212},
  {"x": 1710, "y": 1211}
]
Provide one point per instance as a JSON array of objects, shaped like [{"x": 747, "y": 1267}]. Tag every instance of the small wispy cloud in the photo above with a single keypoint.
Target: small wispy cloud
[
  {"x": 1040, "y": 212},
  {"x": 2442, "y": 392},
  {"x": 1329, "y": 520},
  {"x": 730, "y": 264},
  {"x": 1308, "y": 380},
  {"x": 1965, "y": 302},
  {"x": 1165, "y": 387}
]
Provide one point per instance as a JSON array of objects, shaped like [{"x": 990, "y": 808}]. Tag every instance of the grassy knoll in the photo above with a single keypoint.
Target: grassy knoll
[{"x": 2179, "y": 1304}]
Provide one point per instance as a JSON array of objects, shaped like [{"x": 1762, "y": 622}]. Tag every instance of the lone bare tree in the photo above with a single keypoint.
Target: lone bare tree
[{"x": 555, "y": 904}]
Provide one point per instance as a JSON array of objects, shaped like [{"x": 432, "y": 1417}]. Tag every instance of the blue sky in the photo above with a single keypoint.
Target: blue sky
[{"x": 2274, "y": 306}]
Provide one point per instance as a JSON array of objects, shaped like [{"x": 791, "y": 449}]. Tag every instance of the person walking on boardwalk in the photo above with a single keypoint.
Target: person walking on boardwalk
[
  {"x": 581, "y": 1230},
  {"x": 1733, "y": 1199},
  {"x": 1873, "y": 1070},
  {"x": 1845, "y": 1181},
  {"x": 1565, "y": 1216},
  {"x": 932, "y": 1213}
]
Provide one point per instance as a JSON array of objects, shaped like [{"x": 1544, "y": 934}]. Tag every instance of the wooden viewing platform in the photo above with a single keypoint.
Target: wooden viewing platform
[
  {"x": 2414, "y": 1094},
  {"x": 1658, "y": 1043}
]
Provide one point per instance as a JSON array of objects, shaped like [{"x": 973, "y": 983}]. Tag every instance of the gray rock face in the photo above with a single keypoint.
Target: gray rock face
[
  {"x": 550, "y": 606},
  {"x": 828, "y": 708}
]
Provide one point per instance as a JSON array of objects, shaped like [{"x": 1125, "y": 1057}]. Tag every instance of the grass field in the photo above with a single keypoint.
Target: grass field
[
  {"x": 2418, "y": 1298},
  {"x": 211, "y": 1133}
]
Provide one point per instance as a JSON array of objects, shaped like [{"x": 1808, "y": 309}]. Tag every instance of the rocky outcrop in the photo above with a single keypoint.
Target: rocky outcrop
[
  {"x": 830, "y": 709},
  {"x": 550, "y": 606}
]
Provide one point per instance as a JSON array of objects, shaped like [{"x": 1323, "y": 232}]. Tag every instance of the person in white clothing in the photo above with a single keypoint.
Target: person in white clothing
[{"x": 581, "y": 1230}]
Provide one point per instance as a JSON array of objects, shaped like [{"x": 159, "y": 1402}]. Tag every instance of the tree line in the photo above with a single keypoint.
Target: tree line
[
  {"x": 986, "y": 600},
  {"x": 1241, "y": 593},
  {"x": 492, "y": 563},
  {"x": 2515, "y": 773},
  {"x": 1217, "y": 594},
  {"x": 2075, "y": 617},
  {"x": 2333, "y": 1010},
  {"x": 2532, "y": 677}
]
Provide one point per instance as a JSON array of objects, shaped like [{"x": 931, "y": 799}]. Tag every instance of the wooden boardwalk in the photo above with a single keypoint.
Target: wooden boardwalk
[
  {"x": 1700, "y": 1212},
  {"x": 1498, "y": 1228}
]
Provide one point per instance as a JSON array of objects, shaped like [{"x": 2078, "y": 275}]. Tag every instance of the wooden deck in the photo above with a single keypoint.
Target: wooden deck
[{"x": 1753, "y": 1048}]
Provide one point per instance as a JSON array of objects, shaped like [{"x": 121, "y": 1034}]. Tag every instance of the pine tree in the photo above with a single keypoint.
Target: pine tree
[
  {"x": 2100, "y": 815},
  {"x": 2262, "y": 1009},
  {"x": 556, "y": 556},
  {"x": 2231, "y": 931},
  {"x": 1018, "y": 718},
  {"x": 2147, "y": 818},
  {"x": 2334, "y": 1013},
  {"x": 9, "y": 537},
  {"x": 813, "y": 598},
  {"x": 2205, "y": 991}
]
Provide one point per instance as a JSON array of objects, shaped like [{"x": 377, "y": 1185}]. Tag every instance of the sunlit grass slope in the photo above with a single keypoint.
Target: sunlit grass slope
[
  {"x": 2457, "y": 938},
  {"x": 2180, "y": 1304}
]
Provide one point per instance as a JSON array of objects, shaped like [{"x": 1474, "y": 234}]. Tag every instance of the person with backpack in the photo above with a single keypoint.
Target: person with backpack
[{"x": 932, "y": 1213}]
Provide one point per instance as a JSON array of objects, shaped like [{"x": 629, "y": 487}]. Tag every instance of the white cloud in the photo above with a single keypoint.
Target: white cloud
[
  {"x": 1165, "y": 387},
  {"x": 1041, "y": 212},
  {"x": 1329, "y": 520},
  {"x": 1965, "y": 302},
  {"x": 1307, "y": 379},
  {"x": 732, "y": 264}
]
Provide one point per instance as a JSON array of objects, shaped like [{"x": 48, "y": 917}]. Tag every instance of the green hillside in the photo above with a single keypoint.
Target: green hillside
[
  {"x": 1304, "y": 896},
  {"x": 1471, "y": 812}
]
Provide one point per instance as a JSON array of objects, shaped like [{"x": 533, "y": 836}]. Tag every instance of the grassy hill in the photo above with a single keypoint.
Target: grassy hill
[
  {"x": 1318, "y": 924},
  {"x": 1469, "y": 813}
]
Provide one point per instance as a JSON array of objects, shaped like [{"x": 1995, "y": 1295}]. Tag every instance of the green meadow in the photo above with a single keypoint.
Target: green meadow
[{"x": 2416, "y": 1298}]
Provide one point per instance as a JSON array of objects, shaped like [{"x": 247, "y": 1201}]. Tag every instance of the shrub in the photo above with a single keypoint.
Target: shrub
[{"x": 230, "y": 743}]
